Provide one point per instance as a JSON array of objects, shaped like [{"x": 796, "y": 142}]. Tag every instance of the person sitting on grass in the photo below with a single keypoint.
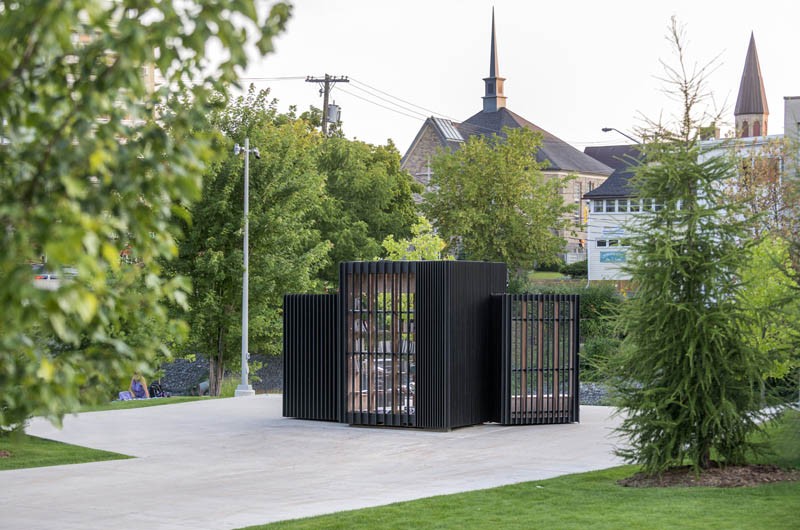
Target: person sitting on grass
[{"x": 138, "y": 388}]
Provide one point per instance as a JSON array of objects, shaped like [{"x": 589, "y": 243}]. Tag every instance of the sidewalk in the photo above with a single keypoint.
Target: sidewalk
[{"x": 228, "y": 463}]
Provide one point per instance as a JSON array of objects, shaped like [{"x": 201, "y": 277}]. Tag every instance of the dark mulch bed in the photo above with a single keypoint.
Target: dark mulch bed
[{"x": 715, "y": 477}]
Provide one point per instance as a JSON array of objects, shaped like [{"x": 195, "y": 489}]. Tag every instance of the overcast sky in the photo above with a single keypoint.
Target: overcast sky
[{"x": 571, "y": 67}]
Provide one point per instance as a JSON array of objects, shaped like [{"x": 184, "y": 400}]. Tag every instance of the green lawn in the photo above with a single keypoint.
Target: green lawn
[
  {"x": 546, "y": 275},
  {"x": 18, "y": 451},
  {"x": 594, "y": 500},
  {"x": 139, "y": 403}
]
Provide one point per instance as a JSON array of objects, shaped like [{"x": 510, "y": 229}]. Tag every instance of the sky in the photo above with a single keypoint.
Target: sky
[{"x": 571, "y": 67}]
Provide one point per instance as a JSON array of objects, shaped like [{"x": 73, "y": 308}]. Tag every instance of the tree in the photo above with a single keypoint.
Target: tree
[
  {"x": 424, "y": 244},
  {"x": 764, "y": 183},
  {"x": 286, "y": 250},
  {"x": 491, "y": 198},
  {"x": 687, "y": 378},
  {"x": 769, "y": 297},
  {"x": 369, "y": 198},
  {"x": 87, "y": 168}
]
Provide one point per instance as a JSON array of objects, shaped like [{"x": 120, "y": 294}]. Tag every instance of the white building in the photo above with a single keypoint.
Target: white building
[{"x": 613, "y": 205}]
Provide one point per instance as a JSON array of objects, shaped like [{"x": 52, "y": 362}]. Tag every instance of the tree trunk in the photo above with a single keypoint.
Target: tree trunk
[
  {"x": 216, "y": 366},
  {"x": 705, "y": 458}
]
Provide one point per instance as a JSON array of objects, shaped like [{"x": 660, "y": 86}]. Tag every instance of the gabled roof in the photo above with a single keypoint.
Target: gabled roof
[
  {"x": 445, "y": 130},
  {"x": 559, "y": 154},
  {"x": 623, "y": 159},
  {"x": 752, "y": 98}
]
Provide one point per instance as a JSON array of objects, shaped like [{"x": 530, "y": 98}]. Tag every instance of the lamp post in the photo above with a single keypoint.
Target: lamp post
[
  {"x": 609, "y": 129},
  {"x": 245, "y": 389}
]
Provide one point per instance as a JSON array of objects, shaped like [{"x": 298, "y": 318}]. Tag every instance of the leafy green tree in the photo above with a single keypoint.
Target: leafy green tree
[
  {"x": 286, "y": 250},
  {"x": 423, "y": 244},
  {"x": 491, "y": 198},
  {"x": 687, "y": 379},
  {"x": 770, "y": 298},
  {"x": 369, "y": 198},
  {"x": 88, "y": 167}
]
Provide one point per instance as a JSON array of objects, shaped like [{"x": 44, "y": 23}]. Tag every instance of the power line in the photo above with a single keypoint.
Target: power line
[
  {"x": 401, "y": 99},
  {"x": 389, "y": 101},
  {"x": 408, "y": 112},
  {"x": 383, "y": 106},
  {"x": 285, "y": 78}
]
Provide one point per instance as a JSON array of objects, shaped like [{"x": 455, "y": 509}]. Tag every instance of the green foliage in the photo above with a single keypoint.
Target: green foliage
[
  {"x": 286, "y": 250},
  {"x": 579, "y": 269},
  {"x": 780, "y": 437},
  {"x": 424, "y": 244},
  {"x": 770, "y": 299},
  {"x": 227, "y": 388},
  {"x": 490, "y": 197},
  {"x": 368, "y": 199},
  {"x": 88, "y": 167}
]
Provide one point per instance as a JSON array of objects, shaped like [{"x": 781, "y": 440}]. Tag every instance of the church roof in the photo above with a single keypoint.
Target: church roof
[
  {"x": 623, "y": 159},
  {"x": 752, "y": 98},
  {"x": 559, "y": 155}
]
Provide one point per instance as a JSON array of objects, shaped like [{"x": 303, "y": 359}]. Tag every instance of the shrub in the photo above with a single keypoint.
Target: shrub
[{"x": 579, "y": 269}]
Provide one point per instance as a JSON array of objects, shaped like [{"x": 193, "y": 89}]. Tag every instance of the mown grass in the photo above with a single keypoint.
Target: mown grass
[
  {"x": 139, "y": 403},
  {"x": 21, "y": 451},
  {"x": 594, "y": 500},
  {"x": 546, "y": 275}
]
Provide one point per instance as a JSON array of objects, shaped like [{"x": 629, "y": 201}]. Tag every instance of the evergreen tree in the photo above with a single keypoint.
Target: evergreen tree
[{"x": 689, "y": 377}]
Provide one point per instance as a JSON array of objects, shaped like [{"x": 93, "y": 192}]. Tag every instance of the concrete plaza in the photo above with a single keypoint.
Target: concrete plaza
[{"x": 228, "y": 463}]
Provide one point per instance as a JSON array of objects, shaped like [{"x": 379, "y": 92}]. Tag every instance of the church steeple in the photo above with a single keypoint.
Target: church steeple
[
  {"x": 493, "y": 99},
  {"x": 751, "y": 110}
]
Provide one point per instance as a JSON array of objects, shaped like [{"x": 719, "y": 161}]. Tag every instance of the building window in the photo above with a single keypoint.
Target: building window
[
  {"x": 647, "y": 205},
  {"x": 634, "y": 205},
  {"x": 613, "y": 242},
  {"x": 745, "y": 129},
  {"x": 490, "y": 88},
  {"x": 622, "y": 205},
  {"x": 602, "y": 243},
  {"x": 597, "y": 206},
  {"x": 757, "y": 128},
  {"x": 611, "y": 206}
]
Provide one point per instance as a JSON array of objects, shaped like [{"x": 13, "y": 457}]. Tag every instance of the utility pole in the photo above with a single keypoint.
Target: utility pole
[{"x": 325, "y": 90}]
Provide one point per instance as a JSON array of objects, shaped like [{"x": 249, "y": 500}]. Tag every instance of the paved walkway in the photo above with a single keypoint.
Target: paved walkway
[{"x": 228, "y": 463}]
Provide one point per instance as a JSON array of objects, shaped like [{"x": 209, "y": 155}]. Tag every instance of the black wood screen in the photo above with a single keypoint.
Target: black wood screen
[
  {"x": 311, "y": 372},
  {"x": 539, "y": 358}
]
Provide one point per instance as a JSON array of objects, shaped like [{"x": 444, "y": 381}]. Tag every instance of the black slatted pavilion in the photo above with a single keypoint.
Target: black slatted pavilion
[
  {"x": 417, "y": 350},
  {"x": 432, "y": 345},
  {"x": 539, "y": 358}
]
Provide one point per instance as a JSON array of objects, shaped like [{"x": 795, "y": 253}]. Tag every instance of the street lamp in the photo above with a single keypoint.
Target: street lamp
[
  {"x": 244, "y": 389},
  {"x": 609, "y": 129}
]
